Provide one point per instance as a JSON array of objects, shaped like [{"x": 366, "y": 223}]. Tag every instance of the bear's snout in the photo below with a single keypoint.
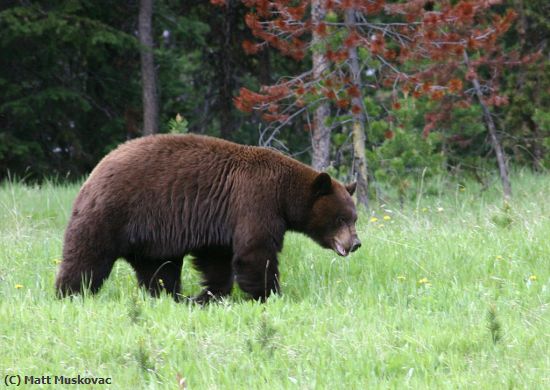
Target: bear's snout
[
  {"x": 356, "y": 245},
  {"x": 345, "y": 245}
]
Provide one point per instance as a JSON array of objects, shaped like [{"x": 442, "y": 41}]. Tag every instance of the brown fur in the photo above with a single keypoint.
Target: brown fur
[{"x": 157, "y": 198}]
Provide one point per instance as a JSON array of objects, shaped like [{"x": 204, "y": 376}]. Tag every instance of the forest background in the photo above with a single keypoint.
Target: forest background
[{"x": 401, "y": 90}]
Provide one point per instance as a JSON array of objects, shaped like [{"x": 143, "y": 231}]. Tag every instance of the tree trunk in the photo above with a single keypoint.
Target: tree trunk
[
  {"x": 495, "y": 142},
  {"x": 228, "y": 72},
  {"x": 148, "y": 72},
  {"x": 358, "y": 134},
  {"x": 320, "y": 137},
  {"x": 538, "y": 138},
  {"x": 524, "y": 48}
]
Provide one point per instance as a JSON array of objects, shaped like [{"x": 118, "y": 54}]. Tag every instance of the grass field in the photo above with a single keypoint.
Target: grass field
[{"x": 451, "y": 291}]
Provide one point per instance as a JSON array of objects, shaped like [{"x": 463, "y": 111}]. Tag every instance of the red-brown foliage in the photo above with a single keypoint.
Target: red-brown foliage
[{"x": 422, "y": 56}]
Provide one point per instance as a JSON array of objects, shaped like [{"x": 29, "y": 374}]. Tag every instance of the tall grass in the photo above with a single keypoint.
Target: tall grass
[{"x": 450, "y": 291}]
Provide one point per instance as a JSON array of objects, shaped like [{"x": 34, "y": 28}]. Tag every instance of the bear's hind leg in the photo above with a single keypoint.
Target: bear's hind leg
[
  {"x": 217, "y": 272},
  {"x": 75, "y": 276},
  {"x": 157, "y": 275},
  {"x": 89, "y": 253}
]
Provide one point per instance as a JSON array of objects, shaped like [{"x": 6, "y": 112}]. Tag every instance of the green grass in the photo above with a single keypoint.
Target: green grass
[{"x": 452, "y": 292}]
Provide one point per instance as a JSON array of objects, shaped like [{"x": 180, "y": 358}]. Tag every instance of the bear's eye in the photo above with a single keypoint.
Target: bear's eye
[{"x": 341, "y": 221}]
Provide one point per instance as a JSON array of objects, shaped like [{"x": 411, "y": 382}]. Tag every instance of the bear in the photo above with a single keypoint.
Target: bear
[{"x": 155, "y": 199}]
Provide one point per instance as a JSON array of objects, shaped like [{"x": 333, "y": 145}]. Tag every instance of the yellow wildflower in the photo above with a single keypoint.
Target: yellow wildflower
[
  {"x": 387, "y": 217},
  {"x": 161, "y": 282},
  {"x": 424, "y": 209},
  {"x": 374, "y": 219},
  {"x": 423, "y": 281},
  {"x": 533, "y": 278},
  {"x": 401, "y": 278},
  {"x": 499, "y": 257},
  {"x": 56, "y": 261},
  {"x": 18, "y": 286}
]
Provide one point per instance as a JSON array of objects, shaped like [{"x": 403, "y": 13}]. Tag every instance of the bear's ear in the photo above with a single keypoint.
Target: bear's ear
[
  {"x": 351, "y": 187},
  {"x": 322, "y": 185}
]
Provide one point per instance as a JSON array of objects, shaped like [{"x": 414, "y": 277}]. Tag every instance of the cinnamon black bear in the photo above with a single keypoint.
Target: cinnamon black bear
[{"x": 157, "y": 198}]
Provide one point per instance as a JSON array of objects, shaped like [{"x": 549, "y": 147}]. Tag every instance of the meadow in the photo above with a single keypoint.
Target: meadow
[{"x": 449, "y": 290}]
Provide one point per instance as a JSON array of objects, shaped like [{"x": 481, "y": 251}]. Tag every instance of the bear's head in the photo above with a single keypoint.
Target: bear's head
[{"x": 333, "y": 215}]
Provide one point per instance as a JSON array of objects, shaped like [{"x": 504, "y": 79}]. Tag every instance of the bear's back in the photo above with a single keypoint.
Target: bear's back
[{"x": 180, "y": 192}]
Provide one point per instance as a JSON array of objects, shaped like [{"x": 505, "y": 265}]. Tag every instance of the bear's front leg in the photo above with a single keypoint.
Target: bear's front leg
[
  {"x": 214, "y": 263},
  {"x": 256, "y": 272}
]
